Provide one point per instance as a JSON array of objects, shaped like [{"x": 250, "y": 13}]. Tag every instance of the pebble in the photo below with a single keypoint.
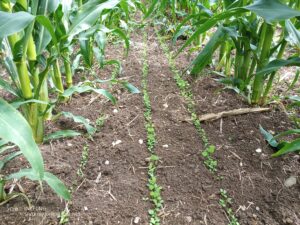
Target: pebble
[
  {"x": 258, "y": 150},
  {"x": 291, "y": 181},
  {"x": 166, "y": 105},
  {"x": 136, "y": 220},
  {"x": 188, "y": 219},
  {"x": 85, "y": 208},
  {"x": 257, "y": 208},
  {"x": 116, "y": 142},
  {"x": 165, "y": 146},
  {"x": 69, "y": 144},
  {"x": 141, "y": 141},
  {"x": 115, "y": 111},
  {"x": 106, "y": 162}
]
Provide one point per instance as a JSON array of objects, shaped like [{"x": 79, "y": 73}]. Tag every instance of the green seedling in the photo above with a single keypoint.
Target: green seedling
[
  {"x": 187, "y": 94},
  {"x": 100, "y": 121},
  {"x": 154, "y": 188},
  {"x": 226, "y": 202},
  {"x": 84, "y": 160},
  {"x": 209, "y": 162}
]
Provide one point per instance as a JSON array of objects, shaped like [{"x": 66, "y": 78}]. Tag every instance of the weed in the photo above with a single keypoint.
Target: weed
[
  {"x": 225, "y": 202},
  {"x": 100, "y": 121},
  {"x": 209, "y": 161},
  {"x": 154, "y": 188},
  {"x": 84, "y": 160},
  {"x": 186, "y": 93},
  {"x": 64, "y": 216}
]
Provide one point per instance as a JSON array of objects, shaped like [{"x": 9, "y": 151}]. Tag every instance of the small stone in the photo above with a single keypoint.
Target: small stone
[
  {"x": 116, "y": 143},
  {"x": 243, "y": 208},
  {"x": 188, "y": 219},
  {"x": 166, "y": 105},
  {"x": 141, "y": 141},
  {"x": 165, "y": 146},
  {"x": 85, "y": 208},
  {"x": 291, "y": 181},
  {"x": 115, "y": 111},
  {"x": 106, "y": 162},
  {"x": 69, "y": 144},
  {"x": 258, "y": 150},
  {"x": 257, "y": 208},
  {"x": 136, "y": 220},
  {"x": 241, "y": 164}
]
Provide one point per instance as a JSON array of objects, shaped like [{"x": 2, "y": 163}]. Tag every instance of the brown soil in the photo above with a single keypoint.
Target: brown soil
[{"x": 190, "y": 191}]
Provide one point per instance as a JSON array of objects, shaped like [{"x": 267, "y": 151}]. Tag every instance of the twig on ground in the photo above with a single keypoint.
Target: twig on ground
[{"x": 215, "y": 116}]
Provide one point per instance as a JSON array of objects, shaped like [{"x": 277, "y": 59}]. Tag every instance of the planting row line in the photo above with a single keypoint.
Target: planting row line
[
  {"x": 154, "y": 188},
  {"x": 209, "y": 149}
]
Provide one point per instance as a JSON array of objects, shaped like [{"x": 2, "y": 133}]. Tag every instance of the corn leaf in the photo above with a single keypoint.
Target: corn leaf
[
  {"x": 82, "y": 89},
  {"x": 292, "y": 35},
  {"x": 61, "y": 134},
  {"x": 288, "y": 148},
  {"x": 79, "y": 119},
  {"x": 268, "y": 137},
  {"x": 9, "y": 158},
  {"x": 57, "y": 186},
  {"x": 277, "y": 64},
  {"x": 11, "y": 23},
  {"x": 272, "y": 10},
  {"x": 89, "y": 14},
  {"x": 15, "y": 129}
]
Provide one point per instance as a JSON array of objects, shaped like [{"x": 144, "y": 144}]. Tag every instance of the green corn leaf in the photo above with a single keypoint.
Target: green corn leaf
[
  {"x": 29, "y": 173},
  {"x": 79, "y": 119},
  {"x": 82, "y": 89},
  {"x": 19, "y": 103},
  {"x": 205, "y": 56},
  {"x": 268, "y": 137},
  {"x": 277, "y": 64},
  {"x": 272, "y": 10},
  {"x": 89, "y": 14},
  {"x": 57, "y": 186},
  {"x": 7, "y": 87},
  {"x": 44, "y": 38},
  {"x": 11, "y": 23},
  {"x": 15, "y": 129},
  {"x": 288, "y": 132},
  {"x": 288, "y": 148},
  {"x": 8, "y": 158},
  {"x": 210, "y": 23},
  {"x": 292, "y": 35},
  {"x": 44, "y": 21},
  {"x": 123, "y": 36},
  {"x": 151, "y": 8},
  {"x": 5, "y": 148},
  {"x": 131, "y": 88},
  {"x": 61, "y": 134}
]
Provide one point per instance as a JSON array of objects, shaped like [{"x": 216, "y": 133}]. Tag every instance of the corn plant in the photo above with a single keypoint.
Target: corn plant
[
  {"x": 280, "y": 146},
  {"x": 37, "y": 39},
  {"x": 247, "y": 29},
  {"x": 16, "y": 133}
]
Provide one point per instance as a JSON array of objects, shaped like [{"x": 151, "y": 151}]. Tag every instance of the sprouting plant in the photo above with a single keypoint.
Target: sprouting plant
[
  {"x": 64, "y": 216},
  {"x": 84, "y": 160},
  {"x": 226, "y": 202},
  {"x": 100, "y": 121},
  {"x": 154, "y": 188},
  {"x": 209, "y": 161},
  {"x": 187, "y": 94}
]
